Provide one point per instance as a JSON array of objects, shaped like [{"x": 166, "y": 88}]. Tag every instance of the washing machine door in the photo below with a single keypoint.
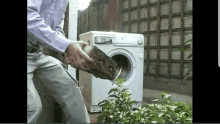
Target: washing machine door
[{"x": 126, "y": 60}]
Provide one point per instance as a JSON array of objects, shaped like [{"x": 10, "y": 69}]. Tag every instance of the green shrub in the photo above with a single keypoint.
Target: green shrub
[{"x": 117, "y": 108}]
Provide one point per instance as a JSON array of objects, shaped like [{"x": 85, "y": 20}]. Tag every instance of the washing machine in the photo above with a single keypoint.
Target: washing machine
[{"x": 126, "y": 49}]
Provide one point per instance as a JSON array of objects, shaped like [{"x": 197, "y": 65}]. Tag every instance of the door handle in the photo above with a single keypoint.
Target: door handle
[{"x": 105, "y": 42}]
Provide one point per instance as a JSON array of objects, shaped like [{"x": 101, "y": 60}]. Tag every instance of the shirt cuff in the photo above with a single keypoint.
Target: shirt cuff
[{"x": 62, "y": 43}]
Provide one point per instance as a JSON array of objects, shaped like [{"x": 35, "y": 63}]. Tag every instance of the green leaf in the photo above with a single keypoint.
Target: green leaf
[
  {"x": 113, "y": 90},
  {"x": 190, "y": 56},
  {"x": 182, "y": 49},
  {"x": 125, "y": 95},
  {"x": 167, "y": 115},
  {"x": 153, "y": 121},
  {"x": 157, "y": 120},
  {"x": 190, "y": 67},
  {"x": 189, "y": 43},
  {"x": 124, "y": 89},
  {"x": 104, "y": 106},
  {"x": 188, "y": 40},
  {"x": 113, "y": 96},
  {"x": 189, "y": 118},
  {"x": 165, "y": 92},
  {"x": 167, "y": 96},
  {"x": 160, "y": 114},
  {"x": 103, "y": 101},
  {"x": 130, "y": 103},
  {"x": 120, "y": 80}
]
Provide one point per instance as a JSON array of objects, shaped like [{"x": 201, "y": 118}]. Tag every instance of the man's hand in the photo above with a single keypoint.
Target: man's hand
[{"x": 76, "y": 57}]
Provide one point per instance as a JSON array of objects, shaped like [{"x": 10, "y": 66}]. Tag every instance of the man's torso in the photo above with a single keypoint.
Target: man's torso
[{"x": 52, "y": 11}]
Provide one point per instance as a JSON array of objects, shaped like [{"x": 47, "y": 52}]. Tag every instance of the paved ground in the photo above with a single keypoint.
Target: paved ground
[{"x": 148, "y": 95}]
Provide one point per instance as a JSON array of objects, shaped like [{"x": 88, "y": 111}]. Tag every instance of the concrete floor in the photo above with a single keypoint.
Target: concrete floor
[{"x": 148, "y": 96}]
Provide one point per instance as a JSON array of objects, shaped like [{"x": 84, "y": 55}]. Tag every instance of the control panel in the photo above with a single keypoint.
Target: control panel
[
  {"x": 104, "y": 40},
  {"x": 119, "y": 39}
]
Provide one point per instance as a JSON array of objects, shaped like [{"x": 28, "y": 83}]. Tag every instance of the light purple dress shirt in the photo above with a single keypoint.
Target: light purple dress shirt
[{"x": 45, "y": 20}]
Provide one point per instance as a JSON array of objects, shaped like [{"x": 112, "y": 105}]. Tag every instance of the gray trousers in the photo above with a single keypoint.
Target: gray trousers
[{"x": 59, "y": 83}]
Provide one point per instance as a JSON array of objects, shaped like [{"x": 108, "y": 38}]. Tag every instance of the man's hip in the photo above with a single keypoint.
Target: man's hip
[{"x": 61, "y": 85}]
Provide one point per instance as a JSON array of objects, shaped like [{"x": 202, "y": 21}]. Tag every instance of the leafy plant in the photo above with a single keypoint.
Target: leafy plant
[
  {"x": 182, "y": 49},
  {"x": 164, "y": 111},
  {"x": 117, "y": 108}
]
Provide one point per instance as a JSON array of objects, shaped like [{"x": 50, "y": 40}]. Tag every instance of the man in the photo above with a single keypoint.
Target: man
[{"x": 45, "y": 29}]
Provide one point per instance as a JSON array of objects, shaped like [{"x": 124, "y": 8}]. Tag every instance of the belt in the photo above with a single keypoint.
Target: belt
[
  {"x": 31, "y": 50},
  {"x": 32, "y": 47}
]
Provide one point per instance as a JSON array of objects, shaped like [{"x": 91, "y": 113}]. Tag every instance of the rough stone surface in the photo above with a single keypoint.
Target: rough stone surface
[{"x": 104, "y": 67}]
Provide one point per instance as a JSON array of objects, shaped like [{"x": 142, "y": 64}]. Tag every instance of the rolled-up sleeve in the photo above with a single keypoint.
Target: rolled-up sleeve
[{"x": 37, "y": 28}]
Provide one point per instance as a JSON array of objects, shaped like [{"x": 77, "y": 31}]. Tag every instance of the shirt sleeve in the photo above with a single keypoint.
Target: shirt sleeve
[
  {"x": 59, "y": 26},
  {"x": 37, "y": 28}
]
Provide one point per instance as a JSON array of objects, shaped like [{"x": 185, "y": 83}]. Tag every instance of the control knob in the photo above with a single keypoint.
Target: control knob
[{"x": 140, "y": 41}]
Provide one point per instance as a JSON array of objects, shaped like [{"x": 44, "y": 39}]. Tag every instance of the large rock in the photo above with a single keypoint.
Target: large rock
[{"x": 104, "y": 67}]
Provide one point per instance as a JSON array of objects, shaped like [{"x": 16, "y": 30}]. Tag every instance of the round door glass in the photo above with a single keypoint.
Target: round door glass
[{"x": 125, "y": 63}]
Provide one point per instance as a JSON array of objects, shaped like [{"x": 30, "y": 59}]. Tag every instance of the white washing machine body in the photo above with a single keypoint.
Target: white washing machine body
[{"x": 127, "y": 46}]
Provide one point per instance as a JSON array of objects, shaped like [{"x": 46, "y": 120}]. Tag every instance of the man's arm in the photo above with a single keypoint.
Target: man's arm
[
  {"x": 38, "y": 29},
  {"x": 59, "y": 26}
]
